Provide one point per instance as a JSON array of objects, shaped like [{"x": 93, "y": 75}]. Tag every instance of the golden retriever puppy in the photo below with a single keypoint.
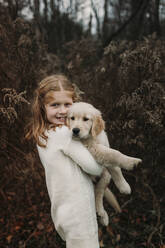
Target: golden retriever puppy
[{"x": 86, "y": 124}]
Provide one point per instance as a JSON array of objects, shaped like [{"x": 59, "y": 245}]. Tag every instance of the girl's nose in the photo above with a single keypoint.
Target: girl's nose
[{"x": 62, "y": 109}]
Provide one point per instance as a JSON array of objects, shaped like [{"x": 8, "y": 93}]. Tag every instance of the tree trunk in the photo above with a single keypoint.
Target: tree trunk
[
  {"x": 105, "y": 22},
  {"x": 156, "y": 18},
  {"x": 45, "y": 11},
  {"x": 97, "y": 19}
]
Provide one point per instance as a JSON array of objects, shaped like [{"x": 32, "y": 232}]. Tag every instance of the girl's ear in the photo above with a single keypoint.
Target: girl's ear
[{"x": 97, "y": 126}]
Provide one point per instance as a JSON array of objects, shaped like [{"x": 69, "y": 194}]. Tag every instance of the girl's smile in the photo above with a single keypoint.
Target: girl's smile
[{"x": 57, "y": 105}]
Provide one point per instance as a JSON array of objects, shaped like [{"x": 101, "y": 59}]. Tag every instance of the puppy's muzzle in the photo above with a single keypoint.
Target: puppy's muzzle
[{"x": 76, "y": 131}]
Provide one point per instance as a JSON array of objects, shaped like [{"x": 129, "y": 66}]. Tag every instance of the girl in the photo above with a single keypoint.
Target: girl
[{"x": 70, "y": 188}]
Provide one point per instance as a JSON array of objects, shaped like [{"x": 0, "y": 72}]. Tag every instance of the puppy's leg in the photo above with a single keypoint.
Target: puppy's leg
[
  {"x": 111, "y": 199},
  {"x": 109, "y": 157},
  {"x": 99, "y": 194},
  {"x": 119, "y": 180}
]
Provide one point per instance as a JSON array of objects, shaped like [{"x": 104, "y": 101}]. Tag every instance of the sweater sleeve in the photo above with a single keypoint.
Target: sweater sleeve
[
  {"x": 61, "y": 139},
  {"x": 81, "y": 156}
]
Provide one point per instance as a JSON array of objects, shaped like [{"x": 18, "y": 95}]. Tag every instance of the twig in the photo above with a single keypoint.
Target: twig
[
  {"x": 156, "y": 207},
  {"x": 30, "y": 236},
  {"x": 126, "y": 203}
]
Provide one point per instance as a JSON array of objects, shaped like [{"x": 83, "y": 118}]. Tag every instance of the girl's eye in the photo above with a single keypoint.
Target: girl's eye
[
  {"x": 54, "y": 104},
  {"x": 72, "y": 118},
  {"x": 67, "y": 104},
  {"x": 85, "y": 119}
]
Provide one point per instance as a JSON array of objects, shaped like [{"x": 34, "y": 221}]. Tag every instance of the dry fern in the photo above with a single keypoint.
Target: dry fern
[{"x": 10, "y": 100}]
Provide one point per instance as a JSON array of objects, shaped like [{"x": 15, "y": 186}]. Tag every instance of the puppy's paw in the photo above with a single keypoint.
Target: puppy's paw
[
  {"x": 125, "y": 188},
  {"x": 104, "y": 219},
  {"x": 129, "y": 163},
  {"x": 122, "y": 186}
]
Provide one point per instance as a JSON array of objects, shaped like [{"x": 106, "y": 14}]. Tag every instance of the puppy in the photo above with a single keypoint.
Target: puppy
[{"x": 86, "y": 124}]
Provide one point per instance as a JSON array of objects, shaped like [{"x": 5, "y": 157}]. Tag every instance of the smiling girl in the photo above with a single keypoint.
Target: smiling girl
[{"x": 70, "y": 188}]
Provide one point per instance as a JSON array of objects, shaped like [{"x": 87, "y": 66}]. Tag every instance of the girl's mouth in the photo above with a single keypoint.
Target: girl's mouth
[{"x": 61, "y": 118}]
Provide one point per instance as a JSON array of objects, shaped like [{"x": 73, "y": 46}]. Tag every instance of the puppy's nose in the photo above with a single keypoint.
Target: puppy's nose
[{"x": 76, "y": 131}]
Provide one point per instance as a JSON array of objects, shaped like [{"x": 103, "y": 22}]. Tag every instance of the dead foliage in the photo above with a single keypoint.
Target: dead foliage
[{"x": 126, "y": 84}]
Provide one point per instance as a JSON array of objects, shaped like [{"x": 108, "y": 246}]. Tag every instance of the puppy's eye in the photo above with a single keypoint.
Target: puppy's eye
[
  {"x": 85, "y": 119},
  {"x": 72, "y": 118}
]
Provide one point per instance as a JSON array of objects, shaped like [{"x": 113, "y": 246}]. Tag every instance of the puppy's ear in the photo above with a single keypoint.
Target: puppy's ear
[{"x": 98, "y": 125}]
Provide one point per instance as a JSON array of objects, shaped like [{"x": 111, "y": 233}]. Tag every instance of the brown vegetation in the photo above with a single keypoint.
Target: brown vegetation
[{"x": 126, "y": 82}]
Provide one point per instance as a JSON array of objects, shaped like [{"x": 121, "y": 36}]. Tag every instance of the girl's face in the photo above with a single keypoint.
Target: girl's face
[{"x": 57, "y": 105}]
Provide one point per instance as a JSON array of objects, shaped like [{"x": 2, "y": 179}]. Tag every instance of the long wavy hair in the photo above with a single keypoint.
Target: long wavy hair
[{"x": 38, "y": 124}]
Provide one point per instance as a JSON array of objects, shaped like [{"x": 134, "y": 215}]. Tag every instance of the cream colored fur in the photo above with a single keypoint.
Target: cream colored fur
[{"x": 86, "y": 123}]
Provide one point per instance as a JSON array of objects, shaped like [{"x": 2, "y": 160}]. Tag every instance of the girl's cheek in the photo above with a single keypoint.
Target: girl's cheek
[{"x": 68, "y": 106}]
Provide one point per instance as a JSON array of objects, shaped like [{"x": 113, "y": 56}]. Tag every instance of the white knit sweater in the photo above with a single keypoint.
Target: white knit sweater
[{"x": 70, "y": 188}]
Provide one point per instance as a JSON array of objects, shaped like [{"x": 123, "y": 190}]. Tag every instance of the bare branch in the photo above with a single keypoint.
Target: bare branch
[{"x": 141, "y": 3}]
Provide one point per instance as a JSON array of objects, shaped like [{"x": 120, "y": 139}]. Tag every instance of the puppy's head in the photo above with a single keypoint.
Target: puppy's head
[{"x": 84, "y": 120}]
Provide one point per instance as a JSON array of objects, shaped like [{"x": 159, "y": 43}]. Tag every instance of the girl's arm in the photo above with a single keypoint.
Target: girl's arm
[
  {"x": 61, "y": 139},
  {"x": 81, "y": 156}
]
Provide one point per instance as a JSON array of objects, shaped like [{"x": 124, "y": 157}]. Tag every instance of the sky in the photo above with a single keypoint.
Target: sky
[{"x": 83, "y": 13}]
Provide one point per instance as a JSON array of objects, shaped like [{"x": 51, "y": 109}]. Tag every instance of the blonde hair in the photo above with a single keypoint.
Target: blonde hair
[{"x": 38, "y": 125}]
